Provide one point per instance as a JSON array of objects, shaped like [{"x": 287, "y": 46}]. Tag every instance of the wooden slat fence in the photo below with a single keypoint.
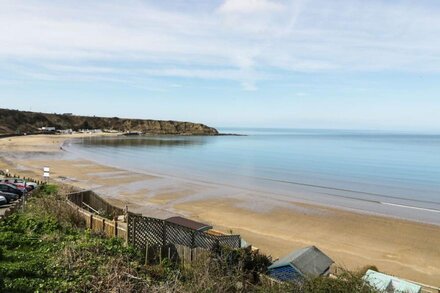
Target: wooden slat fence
[
  {"x": 91, "y": 202},
  {"x": 98, "y": 224},
  {"x": 156, "y": 238},
  {"x": 143, "y": 231}
]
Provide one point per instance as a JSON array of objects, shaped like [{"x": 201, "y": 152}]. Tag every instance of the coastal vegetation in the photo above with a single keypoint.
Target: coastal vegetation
[
  {"x": 45, "y": 247},
  {"x": 14, "y": 121}
]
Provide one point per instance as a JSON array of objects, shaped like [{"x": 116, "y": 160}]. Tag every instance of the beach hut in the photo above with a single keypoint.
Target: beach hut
[
  {"x": 307, "y": 262},
  {"x": 390, "y": 284}
]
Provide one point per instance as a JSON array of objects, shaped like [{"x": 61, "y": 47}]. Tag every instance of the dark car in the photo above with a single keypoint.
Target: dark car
[
  {"x": 9, "y": 196},
  {"x": 11, "y": 189}
]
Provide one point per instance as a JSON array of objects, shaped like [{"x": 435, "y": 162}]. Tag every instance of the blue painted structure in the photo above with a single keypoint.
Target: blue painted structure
[{"x": 302, "y": 263}]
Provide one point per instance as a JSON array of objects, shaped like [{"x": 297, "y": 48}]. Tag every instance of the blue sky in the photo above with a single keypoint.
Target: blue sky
[{"x": 263, "y": 63}]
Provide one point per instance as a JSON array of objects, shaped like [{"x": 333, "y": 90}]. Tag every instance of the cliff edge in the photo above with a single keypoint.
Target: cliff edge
[{"x": 16, "y": 122}]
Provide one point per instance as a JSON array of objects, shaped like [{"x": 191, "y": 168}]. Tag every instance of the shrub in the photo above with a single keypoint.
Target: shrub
[
  {"x": 45, "y": 249},
  {"x": 48, "y": 189},
  {"x": 366, "y": 268}
]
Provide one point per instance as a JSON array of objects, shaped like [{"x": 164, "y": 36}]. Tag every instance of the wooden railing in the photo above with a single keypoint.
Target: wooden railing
[
  {"x": 155, "y": 238},
  {"x": 91, "y": 202},
  {"x": 99, "y": 224}
]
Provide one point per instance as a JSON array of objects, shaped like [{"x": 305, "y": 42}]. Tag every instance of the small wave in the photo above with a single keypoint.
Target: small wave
[{"x": 410, "y": 207}]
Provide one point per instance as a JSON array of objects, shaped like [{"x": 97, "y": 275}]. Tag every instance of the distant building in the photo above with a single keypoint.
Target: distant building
[
  {"x": 65, "y": 131},
  {"x": 90, "y": 130},
  {"x": 49, "y": 129},
  {"x": 390, "y": 284},
  {"x": 308, "y": 262}
]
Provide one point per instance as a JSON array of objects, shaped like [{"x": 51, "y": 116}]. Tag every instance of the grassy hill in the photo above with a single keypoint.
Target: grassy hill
[
  {"x": 14, "y": 121},
  {"x": 46, "y": 247}
]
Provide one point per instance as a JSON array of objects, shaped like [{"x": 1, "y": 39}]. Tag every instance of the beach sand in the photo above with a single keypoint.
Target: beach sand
[{"x": 406, "y": 249}]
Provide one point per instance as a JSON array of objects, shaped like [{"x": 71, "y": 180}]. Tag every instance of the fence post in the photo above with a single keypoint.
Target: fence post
[
  {"x": 127, "y": 233},
  {"x": 146, "y": 253},
  {"x": 91, "y": 221},
  {"x": 183, "y": 258},
  {"x": 133, "y": 231},
  {"x": 103, "y": 225},
  {"x": 164, "y": 233},
  {"x": 193, "y": 243},
  {"x": 115, "y": 221}
]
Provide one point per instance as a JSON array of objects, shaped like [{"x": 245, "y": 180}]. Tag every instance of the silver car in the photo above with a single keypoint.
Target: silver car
[{"x": 3, "y": 200}]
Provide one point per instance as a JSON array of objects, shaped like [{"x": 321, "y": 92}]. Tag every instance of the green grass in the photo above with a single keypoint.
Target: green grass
[
  {"x": 43, "y": 250},
  {"x": 46, "y": 248}
]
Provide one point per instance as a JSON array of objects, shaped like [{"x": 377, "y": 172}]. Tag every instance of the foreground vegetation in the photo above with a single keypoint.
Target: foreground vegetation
[{"x": 46, "y": 248}]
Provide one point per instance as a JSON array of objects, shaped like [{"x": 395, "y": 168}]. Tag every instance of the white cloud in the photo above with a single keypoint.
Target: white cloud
[
  {"x": 250, "y": 6},
  {"x": 241, "y": 40}
]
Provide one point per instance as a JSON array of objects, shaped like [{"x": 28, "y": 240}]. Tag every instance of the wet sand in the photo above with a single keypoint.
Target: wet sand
[{"x": 407, "y": 249}]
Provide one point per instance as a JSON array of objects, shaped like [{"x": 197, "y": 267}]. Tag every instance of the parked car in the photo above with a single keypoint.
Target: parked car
[
  {"x": 3, "y": 200},
  {"x": 20, "y": 186},
  {"x": 20, "y": 183},
  {"x": 9, "y": 196},
  {"x": 12, "y": 189},
  {"x": 28, "y": 184}
]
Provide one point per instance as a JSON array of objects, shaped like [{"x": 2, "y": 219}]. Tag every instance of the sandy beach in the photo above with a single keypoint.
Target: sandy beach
[{"x": 407, "y": 249}]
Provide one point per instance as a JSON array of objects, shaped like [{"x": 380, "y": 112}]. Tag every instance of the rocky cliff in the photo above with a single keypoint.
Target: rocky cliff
[{"x": 14, "y": 121}]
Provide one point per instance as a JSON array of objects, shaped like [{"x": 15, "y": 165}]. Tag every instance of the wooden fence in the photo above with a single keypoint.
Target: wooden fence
[
  {"x": 91, "y": 202},
  {"x": 143, "y": 231},
  {"x": 9, "y": 175},
  {"x": 155, "y": 238},
  {"x": 99, "y": 224}
]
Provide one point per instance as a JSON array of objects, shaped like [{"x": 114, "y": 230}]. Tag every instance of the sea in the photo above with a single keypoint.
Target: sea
[{"x": 386, "y": 173}]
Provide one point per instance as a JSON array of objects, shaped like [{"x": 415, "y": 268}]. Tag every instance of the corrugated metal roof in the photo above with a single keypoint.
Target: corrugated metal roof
[
  {"x": 309, "y": 261},
  {"x": 189, "y": 223},
  {"x": 388, "y": 283}
]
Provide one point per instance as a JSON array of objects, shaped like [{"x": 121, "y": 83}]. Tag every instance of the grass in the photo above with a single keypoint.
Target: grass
[{"x": 46, "y": 248}]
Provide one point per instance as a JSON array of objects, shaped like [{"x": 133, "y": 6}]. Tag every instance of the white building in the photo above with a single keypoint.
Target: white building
[{"x": 48, "y": 128}]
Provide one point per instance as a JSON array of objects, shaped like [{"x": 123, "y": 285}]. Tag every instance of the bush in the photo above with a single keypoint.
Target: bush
[
  {"x": 45, "y": 248},
  {"x": 48, "y": 189},
  {"x": 368, "y": 267}
]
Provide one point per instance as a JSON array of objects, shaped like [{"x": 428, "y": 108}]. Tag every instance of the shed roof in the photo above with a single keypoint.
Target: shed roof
[
  {"x": 388, "y": 283},
  {"x": 193, "y": 225},
  {"x": 309, "y": 261}
]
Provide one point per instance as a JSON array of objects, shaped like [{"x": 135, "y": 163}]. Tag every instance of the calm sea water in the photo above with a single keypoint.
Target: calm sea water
[{"x": 352, "y": 169}]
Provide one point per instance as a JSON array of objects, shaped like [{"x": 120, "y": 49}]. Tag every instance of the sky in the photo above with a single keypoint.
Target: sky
[{"x": 348, "y": 64}]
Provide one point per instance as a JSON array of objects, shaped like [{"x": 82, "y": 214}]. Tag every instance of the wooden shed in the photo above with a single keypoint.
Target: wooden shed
[{"x": 305, "y": 262}]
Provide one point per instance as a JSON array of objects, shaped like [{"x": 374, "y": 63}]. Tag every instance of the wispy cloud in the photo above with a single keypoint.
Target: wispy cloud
[
  {"x": 240, "y": 40},
  {"x": 250, "y": 6}
]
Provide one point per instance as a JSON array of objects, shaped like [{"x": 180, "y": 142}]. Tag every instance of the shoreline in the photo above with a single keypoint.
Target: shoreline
[
  {"x": 347, "y": 200},
  {"x": 405, "y": 248}
]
